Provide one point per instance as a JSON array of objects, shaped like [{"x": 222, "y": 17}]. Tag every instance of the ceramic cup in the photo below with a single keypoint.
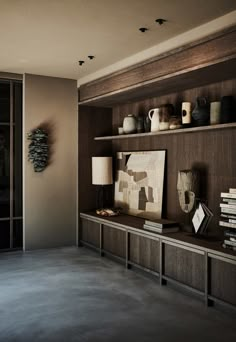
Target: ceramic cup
[
  {"x": 120, "y": 130},
  {"x": 215, "y": 113},
  {"x": 186, "y": 113}
]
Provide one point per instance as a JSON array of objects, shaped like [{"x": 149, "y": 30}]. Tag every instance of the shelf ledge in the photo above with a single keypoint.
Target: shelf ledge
[{"x": 168, "y": 132}]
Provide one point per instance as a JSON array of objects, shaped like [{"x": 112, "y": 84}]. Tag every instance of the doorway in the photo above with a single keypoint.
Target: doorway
[{"x": 11, "y": 234}]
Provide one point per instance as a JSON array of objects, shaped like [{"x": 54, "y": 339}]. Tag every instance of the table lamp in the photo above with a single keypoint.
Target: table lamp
[{"x": 101, "y": 175}]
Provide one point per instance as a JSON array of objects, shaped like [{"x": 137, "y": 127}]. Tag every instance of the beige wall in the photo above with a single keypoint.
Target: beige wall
[{"x": 50, "y": 197}]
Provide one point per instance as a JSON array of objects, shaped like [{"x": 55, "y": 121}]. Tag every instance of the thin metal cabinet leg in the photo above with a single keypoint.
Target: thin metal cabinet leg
[
  {"x": 160, "y": 262},
  {"x": 208, "y": 302},
  {"x": 101, "y": 239},
  {"x": 127, "y": 265}
]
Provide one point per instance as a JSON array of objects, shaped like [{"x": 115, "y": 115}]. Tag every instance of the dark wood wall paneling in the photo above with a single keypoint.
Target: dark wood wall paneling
[
  {"x": 212, "y": 152},
  {"x": 92, "y": 121}
]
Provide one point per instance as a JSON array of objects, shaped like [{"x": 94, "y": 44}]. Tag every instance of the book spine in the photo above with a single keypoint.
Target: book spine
[
  {"x": 227, "y": 224},
  {"x": 229, "y": 206},
  {"x": 232, "y": 190},
  {"x": 232, "y": 220},
  {"x": 229, "y": 200},
  {"x": 229, "y": 247},
  {"x": 229, "y": 216},
  {"x": 230, "y": 233},
  {"x": 230, "y": 243},
  {"x": 228, "y": 211},
  {"x": 228, "y": 195},
  {"x": 154, "y": 224},
  {"x": 152, "y": 228},
  {"x": 232, "y": 239}
]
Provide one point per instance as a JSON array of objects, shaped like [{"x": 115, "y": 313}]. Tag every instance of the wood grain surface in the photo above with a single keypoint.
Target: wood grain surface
[
  {"x": 187, "y": 59},
  {"x": 223, "y": 280},
  {"x": 184, "y": 266}
]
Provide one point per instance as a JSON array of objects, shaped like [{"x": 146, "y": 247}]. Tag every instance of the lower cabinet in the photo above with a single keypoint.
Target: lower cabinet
[
  {"x": 222, "y": 280},
  {"x": 209, "y": 273},
  {"x": 144, "y": 251},
  {"x": 90, "y": 233},
  {"x": 184, "y": 266},
  {"x": 114, "y": 241}
]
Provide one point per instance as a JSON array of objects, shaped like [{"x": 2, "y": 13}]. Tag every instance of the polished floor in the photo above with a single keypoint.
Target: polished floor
[{"x": 72, "y": 294}]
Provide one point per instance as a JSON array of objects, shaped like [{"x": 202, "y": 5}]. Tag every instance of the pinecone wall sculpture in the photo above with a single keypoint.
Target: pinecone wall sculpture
[{"x": 38, "y": 149}]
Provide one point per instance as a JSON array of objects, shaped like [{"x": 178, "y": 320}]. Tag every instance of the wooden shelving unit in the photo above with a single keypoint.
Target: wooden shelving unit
[
  {"x": 169, "y": 132},
  {"x": 205, "y": 68}
]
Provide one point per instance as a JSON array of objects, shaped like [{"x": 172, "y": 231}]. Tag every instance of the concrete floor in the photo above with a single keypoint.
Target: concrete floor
[{"x": 72, "y": 294}]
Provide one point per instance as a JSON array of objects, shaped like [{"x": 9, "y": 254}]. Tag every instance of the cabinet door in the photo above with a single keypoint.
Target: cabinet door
[
  {"x": 144, "y": 252},
  {"x": 223, "y": 280},
  {"x": 184, "y": 266},
  {"x": 114, "y": 241},
  {"x": 90, "y": 232}
]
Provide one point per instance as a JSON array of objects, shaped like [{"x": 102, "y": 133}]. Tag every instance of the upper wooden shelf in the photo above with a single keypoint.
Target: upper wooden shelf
[
  {"x": 168, "y": 132},
  {"x": 209, "y": 60}
]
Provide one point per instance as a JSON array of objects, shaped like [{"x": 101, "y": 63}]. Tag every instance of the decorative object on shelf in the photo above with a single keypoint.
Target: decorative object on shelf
[
  {"x": 165, "y": 112},
  {"x": 108, "y": 212},
  {"x": 101, "y": 175},
  {"x": 201, "y": 219},
  {"x": 161, "y": 226},
  {"x": 201, "y": 112},
  {"x": 120, "y": 130},
  {"x": 153, "y": 115},
  {"x": 215, "y": 113},
  {"x": 130, "y": 124},
  {"x": 139, "y": 183},
  {"x": 38, "y": 149},
  {"x": 227, "y": 109},
  {"x": 186, "y": 113},
  {"x": 175, "y": 122},
  {"x": 187, "y": 186},
  {"x": 147, "y": 124},
  {"x": 140, "y": 124}
]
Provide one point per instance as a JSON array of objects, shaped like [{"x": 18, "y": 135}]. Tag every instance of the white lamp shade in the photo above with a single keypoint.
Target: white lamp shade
[{"x": 102, "y": 170}]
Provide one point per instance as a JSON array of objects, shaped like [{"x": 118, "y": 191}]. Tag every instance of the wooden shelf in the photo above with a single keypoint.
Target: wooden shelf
[{"x": 168, "y": 132}]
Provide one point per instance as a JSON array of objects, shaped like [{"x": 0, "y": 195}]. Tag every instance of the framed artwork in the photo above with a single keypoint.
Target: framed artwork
[{"x": 139, "y": 182}]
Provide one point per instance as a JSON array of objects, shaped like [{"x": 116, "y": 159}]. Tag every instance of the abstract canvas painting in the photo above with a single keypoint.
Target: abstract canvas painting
[{"x": 139, "y": 182}]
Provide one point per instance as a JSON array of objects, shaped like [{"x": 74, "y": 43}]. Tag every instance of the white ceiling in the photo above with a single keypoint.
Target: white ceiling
[{"x": 48, "y": 37}]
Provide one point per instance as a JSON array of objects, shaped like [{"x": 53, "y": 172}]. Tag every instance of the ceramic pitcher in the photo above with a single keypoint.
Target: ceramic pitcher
[{"x": 153, "y": 115}]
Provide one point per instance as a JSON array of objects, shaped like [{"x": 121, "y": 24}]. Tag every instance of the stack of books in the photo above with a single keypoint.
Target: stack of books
[
  {"x": 161, "y": 226},
  {"x": 228, "y": 218},
  {"x": 230, "y": 239}
]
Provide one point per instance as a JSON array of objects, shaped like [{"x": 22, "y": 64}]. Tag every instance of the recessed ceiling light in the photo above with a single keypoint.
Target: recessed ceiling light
[
  {"x": 160, "y": 21},
  {"x": 81, "y": 62},
  {"x": 91, "y": 57},
  {"x": 143, "y": 29}
]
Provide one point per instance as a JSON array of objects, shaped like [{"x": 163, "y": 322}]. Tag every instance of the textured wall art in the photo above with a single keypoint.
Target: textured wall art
[
  {"x": 38, "y": 149},
  {"x": 139, "y": 182}
]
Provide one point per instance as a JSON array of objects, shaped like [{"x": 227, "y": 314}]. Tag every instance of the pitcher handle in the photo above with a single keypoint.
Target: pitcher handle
[{"x": 149, "y": 114}]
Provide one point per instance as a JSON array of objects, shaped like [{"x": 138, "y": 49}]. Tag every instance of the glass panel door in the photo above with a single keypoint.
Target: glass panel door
[{"x": 10, "y": 164}]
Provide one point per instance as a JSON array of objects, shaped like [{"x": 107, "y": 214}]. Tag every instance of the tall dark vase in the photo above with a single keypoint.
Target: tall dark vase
[
  {"x": 201, "y": 112},
  {"x": 227, "y": 112}
]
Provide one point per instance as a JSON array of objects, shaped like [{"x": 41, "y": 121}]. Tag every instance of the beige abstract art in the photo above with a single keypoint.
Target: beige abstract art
[{"x": 139, "y": 182}]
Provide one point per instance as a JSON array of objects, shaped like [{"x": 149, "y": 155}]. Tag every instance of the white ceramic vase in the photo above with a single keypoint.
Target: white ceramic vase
[{"x": 130, "y": 124}]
